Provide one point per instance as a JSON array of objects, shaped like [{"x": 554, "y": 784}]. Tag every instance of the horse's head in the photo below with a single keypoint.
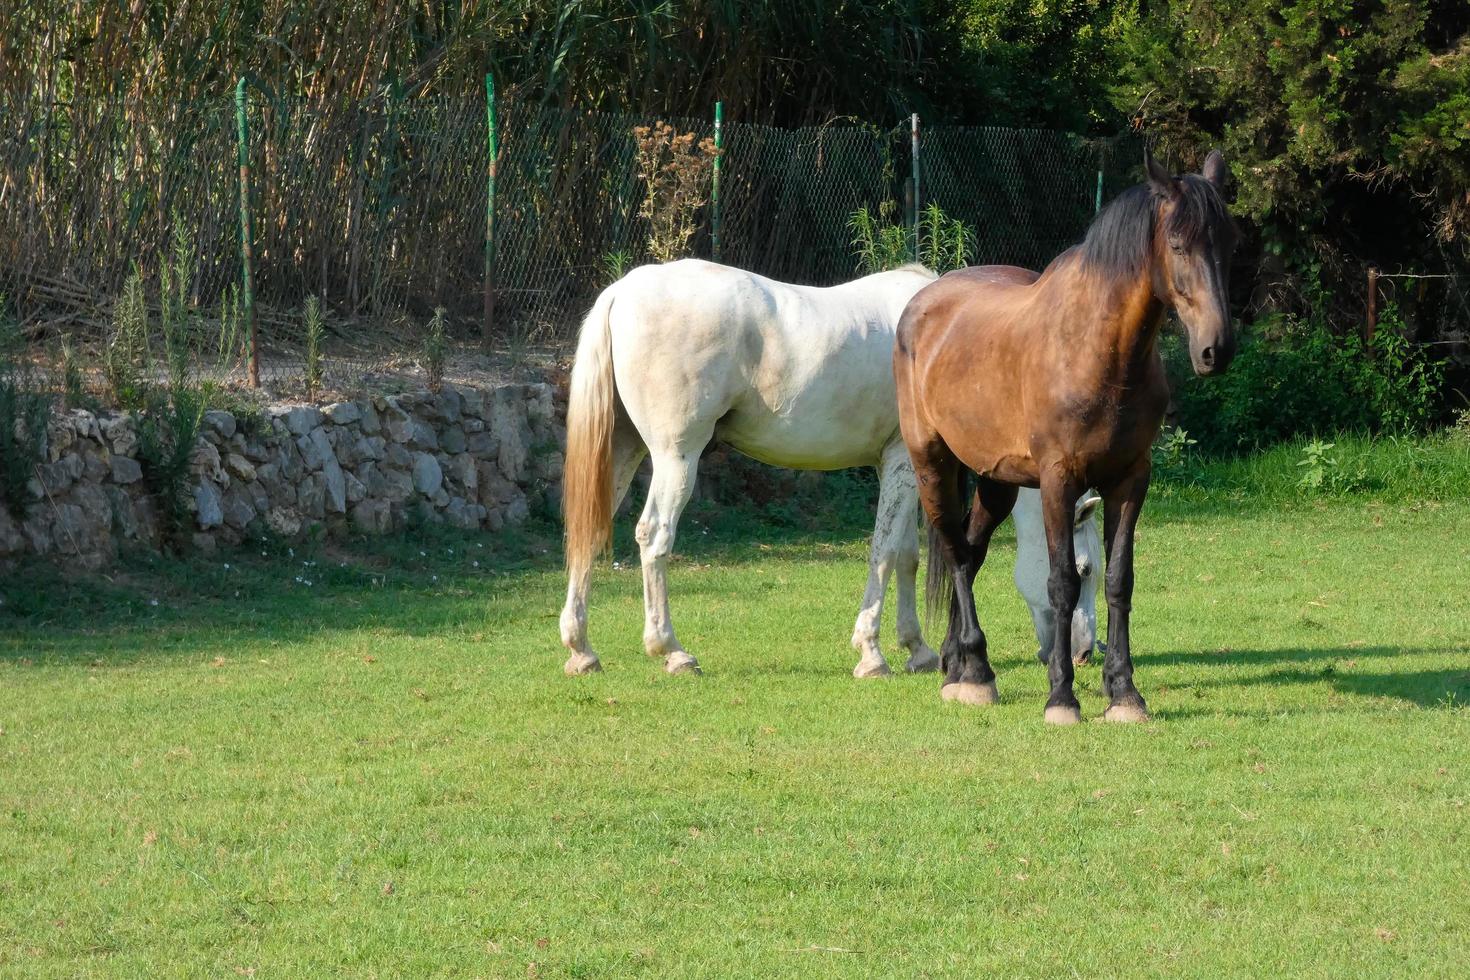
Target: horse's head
[{"x": 1194, "y": 241}]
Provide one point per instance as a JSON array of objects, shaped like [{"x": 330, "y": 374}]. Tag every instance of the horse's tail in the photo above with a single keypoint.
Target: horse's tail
[
  {"x": 587, "y": 475},
  {"x": 938, "y": 585}
]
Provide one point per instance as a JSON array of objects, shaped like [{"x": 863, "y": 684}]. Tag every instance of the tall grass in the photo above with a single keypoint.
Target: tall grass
[{"x": 1389, "y": 468}]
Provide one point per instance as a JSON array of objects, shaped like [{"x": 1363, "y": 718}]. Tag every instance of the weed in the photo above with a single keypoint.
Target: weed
[
  {"x": 315, "y": 330},
  {"x": 943, "y": 243},
  {"x": 878, "y": 245},
  {"x": 676, "y": 174},
  {"x": 436, "y": 351},
  {"x": 615, "y": 265},
  {"x": 126, "y": 359},
  {"x": 167, "y": 429},
  {"x": 1174, "y": 455}
]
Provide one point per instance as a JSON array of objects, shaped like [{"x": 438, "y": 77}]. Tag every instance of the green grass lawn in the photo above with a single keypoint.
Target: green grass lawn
[{"x": 372, "y": 764}]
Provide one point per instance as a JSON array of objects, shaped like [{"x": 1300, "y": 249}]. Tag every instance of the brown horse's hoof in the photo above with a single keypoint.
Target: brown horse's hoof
[
  {"x": 968, "y": 692},
  {"x": 1128, "y": 712},
  {"x": 582, "y": 663},
  {"x": 872, "y": 668},
  {"x": 1062, "y": 714}
]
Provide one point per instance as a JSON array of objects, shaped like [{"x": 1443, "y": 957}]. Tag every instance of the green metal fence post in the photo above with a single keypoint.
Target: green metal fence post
[
  {"x": 914, "y": 141},
  {"x": 1097, "y": 206},
  {"x": 492, "y": 146},
  {"x": 247, "y": 240},
  {"x": 715, "y": 186}
]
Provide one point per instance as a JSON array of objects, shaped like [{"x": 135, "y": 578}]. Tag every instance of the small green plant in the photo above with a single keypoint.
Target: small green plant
[
  {"x": 615, "y": 265},
  {"x": 315, "y": 332},
  {"x": 1323, "y": 470},
  {"x": 878, "y": 244},
  {"x": 1317, "y": 464},
  {"x": 167, "y": 428},
  {"x": 231, "y": 342},
  {"x": 176, "y": 311},
  {"x": 945, "y": 243},
  {"x": 1174, "y": 454},
  {"x": 73, "y": 384},
  {"x": 436, "y": 351},
  {"x": 126, "y": 360}
]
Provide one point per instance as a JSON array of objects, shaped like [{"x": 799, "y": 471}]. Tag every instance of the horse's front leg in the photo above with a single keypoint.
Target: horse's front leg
[
  {"x": 1122, "y": 506},
  {"x": 969, "y": 677},
  {"x": 673, "y": 482},
  {"x": 1059, "y": 493}
]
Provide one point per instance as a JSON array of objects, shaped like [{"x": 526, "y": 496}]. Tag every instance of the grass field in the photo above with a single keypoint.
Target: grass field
[{"x": 367, "y": 761}]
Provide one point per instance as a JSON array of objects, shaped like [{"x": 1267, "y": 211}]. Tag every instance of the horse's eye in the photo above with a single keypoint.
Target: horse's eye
[{"x": 1176, "y": 246}]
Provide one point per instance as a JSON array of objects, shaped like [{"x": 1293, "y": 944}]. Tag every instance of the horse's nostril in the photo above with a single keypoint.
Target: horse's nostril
[{"x": 1207, "y": 356}]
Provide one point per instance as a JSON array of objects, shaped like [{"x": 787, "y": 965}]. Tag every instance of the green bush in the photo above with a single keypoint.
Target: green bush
[{"x": 1295, "y": 378}]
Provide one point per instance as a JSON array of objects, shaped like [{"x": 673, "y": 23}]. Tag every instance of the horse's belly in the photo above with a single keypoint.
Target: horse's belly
[{"x": 817, "y": 440}]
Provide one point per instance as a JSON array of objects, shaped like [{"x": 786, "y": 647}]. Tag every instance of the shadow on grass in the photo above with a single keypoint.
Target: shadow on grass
[
  {"x": 421, "y": 582},
  {"x": 1337, "y": 666}
]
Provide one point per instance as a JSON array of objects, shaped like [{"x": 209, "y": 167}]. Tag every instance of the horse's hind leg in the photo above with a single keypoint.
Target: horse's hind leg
[
  {"x": 871, "y": 662},
  {"x": 673, "y": 482},
  {"x": 895, "y": 549},
  {"x": 627, "y": 452}
]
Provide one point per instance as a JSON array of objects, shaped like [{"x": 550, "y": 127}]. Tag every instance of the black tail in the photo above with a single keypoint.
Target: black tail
[{"x": 938, "y": 584}]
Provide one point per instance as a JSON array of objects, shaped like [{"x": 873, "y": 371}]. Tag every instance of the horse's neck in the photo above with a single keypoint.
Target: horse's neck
[{"x": 1130, "y": 319}]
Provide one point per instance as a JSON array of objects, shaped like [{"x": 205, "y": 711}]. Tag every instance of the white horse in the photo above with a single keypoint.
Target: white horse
[
  {"x": 1033, "y": 565},
  {"x": 673, "y": 355}
]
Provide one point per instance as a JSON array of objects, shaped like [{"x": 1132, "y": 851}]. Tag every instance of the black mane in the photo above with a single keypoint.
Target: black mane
[{"x": 1120, "y": 239}]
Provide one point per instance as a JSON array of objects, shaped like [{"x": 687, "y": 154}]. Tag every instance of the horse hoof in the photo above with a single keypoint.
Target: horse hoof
[
  {"x": 1062, "y": 714},
  {"x": 582, "y": 663},
  {"x": 1082, "y": 659},
  {"x": 680, "y": 662},
  {"x": 923, "y": 661},
  {"x": 1127, "y": 712},
  {"x": 871, "y": 668},
  {"x": 968, "y": 692}
]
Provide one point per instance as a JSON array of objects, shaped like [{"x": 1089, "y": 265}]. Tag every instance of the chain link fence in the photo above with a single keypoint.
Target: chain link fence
[{"x": 380, "y": 209}]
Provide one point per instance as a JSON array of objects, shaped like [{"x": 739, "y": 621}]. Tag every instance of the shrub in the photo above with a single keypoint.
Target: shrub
[
  {"x": 676, "y": 174},
  {"x": 1296, "y": 378}
]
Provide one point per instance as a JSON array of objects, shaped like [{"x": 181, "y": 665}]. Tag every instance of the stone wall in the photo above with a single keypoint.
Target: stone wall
[{"x": 474, "y": 458}]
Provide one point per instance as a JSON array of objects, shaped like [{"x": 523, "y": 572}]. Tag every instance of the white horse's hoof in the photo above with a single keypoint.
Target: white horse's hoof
[
  {"x": 582, "y": 663},
  {"x": 968, "y": 692},
  {"x": 871, "y": 668},
  {"x": 680, "y": 662},
  {"x": 1062, "y": 714},
  {"x": 922, "y": 661},
  {"x": 1128, "y": 712}
]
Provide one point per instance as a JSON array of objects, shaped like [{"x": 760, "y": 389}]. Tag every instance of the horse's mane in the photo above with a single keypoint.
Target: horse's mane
[{"x": 1120, "y": 239}]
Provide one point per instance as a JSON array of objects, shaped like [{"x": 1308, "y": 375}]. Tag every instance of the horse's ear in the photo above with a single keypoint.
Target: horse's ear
[
  {"x": 1159, "y": 179},
  {"x": 1214, "y": 170},
  {"x": 1086, "y": 507}
]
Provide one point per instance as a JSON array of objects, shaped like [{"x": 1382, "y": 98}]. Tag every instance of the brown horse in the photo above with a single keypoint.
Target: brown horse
[{"x": 1055, "y": 381}]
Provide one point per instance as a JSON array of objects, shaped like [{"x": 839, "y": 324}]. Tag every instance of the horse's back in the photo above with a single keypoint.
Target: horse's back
[{"x": 793, "y": 375}]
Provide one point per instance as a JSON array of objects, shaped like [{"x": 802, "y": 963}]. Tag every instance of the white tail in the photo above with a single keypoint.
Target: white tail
[{"x": 587, "y": 478}]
